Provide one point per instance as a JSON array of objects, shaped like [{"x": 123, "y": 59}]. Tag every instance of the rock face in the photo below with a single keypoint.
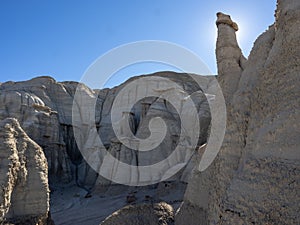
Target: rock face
[
  {"x": 145, "y": 214},
  {"x": 255, "y": 178},
  {"x": 24, "y": 193},
  {"x": 142, "y": 113},
  {"x": 43, "y": 108}
]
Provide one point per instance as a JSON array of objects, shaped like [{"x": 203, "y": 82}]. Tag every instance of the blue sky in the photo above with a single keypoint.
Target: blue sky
[{"x": 62, "y": 38}]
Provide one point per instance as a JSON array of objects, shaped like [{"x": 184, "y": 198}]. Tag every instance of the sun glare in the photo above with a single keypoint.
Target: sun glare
[{"x": 242, "y": 34}]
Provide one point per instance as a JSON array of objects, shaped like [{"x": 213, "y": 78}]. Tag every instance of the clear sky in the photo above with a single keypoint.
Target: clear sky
[{"x": 62, "y": 38}]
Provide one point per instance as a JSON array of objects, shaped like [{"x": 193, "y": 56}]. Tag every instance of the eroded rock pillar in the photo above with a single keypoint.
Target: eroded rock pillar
[{"x": 230, "y": 60}]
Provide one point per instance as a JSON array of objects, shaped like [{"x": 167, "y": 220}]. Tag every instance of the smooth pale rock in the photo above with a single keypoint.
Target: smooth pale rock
[
  {"x": 30, "y": 103},
  {"x": 145, "y": 214},
  {"x": 255, "y": 177},
  {"x": 138, "y": 121},
  {"x": 23, "y": 177},
  {"x": 43, "y": 108}
]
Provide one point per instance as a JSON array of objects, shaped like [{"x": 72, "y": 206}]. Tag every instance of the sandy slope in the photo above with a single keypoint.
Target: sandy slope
[{"x": 69, "y": 206}]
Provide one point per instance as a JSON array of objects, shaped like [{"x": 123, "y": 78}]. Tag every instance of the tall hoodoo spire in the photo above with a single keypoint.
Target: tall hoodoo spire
[{"x": 230, "y": 59}]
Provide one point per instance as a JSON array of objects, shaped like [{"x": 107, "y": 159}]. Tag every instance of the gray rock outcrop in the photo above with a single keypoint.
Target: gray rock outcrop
[
  {"x": 145, "y": 214},
  {"x": 255, "y": 177},
  {"x": 41, "y": 105},
  {"x": 24, "y": 193},
  {"x": 43, "y": 108}
]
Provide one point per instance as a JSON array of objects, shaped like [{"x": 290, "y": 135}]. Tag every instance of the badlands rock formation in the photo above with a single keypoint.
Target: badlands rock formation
[
  {"x": 255, "y": 178},
  {"x": 230, "y": 59},
  {"x": 24, "y": 193},
  {"x": 43, "y": 108}
]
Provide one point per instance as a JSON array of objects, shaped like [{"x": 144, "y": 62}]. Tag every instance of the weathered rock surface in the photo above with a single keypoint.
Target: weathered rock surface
[
  {"x": 255, "y": 178},
  {"x": 230, "y": 59},
  {"x": 24, "y": 193},
  {"x": 43, "y": 108},
  {"x": 41, "y": 105},
  {"x": 146, "y": 110},
  {"x": 145, "y": 214}
]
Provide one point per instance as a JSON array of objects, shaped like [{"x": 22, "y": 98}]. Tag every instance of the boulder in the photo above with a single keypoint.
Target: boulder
[{"x": 144, "y": 214}]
